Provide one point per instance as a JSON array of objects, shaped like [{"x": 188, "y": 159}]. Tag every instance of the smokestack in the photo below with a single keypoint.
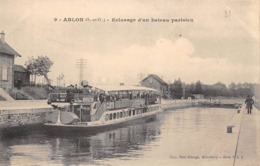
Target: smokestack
[{"x": 2, "y": 37}]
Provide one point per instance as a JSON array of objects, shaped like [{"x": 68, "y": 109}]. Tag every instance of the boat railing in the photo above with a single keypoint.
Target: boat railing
[
  {"x": 138, "y": 103},
  {"x": 57, "y": 97},
  {"x": 82, "y": 97},
  {"x": 151, "y": 101},
  {"x": 129, "y": 103},
  {"x": 122, "y": 104},
  {"x": 70, "y": 97}
]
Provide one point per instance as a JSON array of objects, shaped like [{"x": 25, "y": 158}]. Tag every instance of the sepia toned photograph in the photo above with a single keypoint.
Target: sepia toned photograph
[{"x": 115, "y": 83}]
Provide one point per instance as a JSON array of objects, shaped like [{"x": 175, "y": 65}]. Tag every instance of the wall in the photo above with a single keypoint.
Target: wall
[
  {"x": 154, "y": 84},
  {"x": 23, "y": 117},
  {"x": 24, "y": 77},
  {"x": 7, "y": 60},
  {"x": 177, "y": 104}
]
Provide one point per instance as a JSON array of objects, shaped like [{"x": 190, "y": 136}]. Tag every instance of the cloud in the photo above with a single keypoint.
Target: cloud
[
  {"x": 170, "y": 59},
  {"x": 213, "y": 48}
]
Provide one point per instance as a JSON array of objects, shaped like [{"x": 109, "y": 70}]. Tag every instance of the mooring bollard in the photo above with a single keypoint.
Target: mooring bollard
[
  {"x": 229, "y": 129},
  {"x": 238, "y": 111}
]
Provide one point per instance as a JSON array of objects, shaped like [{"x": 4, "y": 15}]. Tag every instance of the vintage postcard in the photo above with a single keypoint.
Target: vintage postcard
[{"x": 115, "y": 82}]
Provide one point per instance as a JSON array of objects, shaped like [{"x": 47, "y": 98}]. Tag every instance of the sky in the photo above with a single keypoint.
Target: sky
[{"x": 221, "y": 44}]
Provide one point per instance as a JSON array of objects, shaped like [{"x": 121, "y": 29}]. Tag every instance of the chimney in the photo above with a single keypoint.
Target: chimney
[{"x": 2, "y": 37}]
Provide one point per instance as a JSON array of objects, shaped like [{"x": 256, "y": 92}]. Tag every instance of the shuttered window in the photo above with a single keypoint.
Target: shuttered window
[{"x": 4, "y": 73}]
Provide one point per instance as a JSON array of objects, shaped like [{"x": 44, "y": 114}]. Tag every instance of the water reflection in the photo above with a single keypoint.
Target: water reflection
[
  {"x": 110, "y": 144},
  {"x": 77, "y": 149},
  {"x": 180, "y": 132}
]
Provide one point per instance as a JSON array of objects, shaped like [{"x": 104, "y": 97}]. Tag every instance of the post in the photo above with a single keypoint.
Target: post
[
  {"x": 229, "y": 129},
  {"x": 80, "y": 113}
]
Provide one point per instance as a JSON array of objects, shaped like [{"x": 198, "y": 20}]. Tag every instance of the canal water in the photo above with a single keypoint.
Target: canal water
[{"x": 176, "y": 137}]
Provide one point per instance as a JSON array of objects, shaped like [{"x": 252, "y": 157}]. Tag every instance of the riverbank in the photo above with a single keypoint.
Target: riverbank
[
  {"x": 248, "y": 144},
  {"x": 178, "y": 104},
  {"x": 32, "y": 112},
  {"x": 20, "y": 113}
]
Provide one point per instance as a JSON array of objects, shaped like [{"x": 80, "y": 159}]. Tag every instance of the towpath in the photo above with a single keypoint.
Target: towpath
[
  {"x": 248, "y": 148},
  {"x": 23, "y": 104}
]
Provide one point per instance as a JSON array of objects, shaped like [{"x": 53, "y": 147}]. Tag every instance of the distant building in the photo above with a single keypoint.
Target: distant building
[
  {"x": 198, "y": 96},
  {"x": 21, "y": 76},
  {"x": 7, "y": 55},
  {"x": 155, "y": 82}
]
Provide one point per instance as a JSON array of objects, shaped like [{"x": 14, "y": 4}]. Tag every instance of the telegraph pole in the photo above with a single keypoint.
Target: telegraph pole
[{"x": 81, "y": 64}]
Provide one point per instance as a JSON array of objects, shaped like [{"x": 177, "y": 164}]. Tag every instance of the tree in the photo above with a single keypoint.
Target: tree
[
  {"x": 189, "y": 90},
  {"x": 220, "y": 89},
  {"x": 43, "y": 64},
  {"x": 39, "y": 66},
  {"x": 31, "y": 67},
  {"x": 232, "y": 89},
  {"x": 198, "y": 89},
  {"x": 176, "y": 89}
]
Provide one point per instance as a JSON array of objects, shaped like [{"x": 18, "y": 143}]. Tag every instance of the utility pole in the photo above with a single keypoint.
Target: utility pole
[{"x": 81, "y": 64}]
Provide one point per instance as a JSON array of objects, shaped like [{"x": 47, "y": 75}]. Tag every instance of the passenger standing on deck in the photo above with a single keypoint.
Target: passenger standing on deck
[{"x": 249, "y": 104}]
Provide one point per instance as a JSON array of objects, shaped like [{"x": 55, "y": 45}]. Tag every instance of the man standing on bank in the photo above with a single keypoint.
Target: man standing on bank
[{"x": 249, "y": 104}]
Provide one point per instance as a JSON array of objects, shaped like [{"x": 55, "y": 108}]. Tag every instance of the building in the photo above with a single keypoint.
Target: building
[
  {"x": 7, "y": 56},
  {"x": 155, "y": 82},
  {"x": 198, "y": 96},
  {"x": 21, "y": 76}
]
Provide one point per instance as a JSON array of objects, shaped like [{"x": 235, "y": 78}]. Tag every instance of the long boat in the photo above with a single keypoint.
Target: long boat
[{"x": 109, "y": 107}]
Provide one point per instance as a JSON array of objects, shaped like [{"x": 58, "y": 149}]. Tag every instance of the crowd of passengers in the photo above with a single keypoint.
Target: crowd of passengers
[
  {"x": 101, "y": 96},
  {"x": 106, "y": 96}
]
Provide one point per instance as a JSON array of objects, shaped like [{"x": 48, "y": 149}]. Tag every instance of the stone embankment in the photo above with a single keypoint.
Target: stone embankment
[
  {"x": 178, "y": 104},
  {"x": 23, "y": 113}
]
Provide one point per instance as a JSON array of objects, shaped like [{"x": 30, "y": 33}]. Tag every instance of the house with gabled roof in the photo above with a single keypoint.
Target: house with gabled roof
[
  {"x": 7, "y": 57},
  {"x": 155, "y": 82}
]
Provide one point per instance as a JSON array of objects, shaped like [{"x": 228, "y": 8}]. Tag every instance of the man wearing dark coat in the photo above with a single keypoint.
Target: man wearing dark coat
[{"x": 249, "y": 104}]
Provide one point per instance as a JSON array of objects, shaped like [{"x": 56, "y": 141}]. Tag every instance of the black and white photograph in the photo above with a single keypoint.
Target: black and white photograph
[{"x": 113, "y": 82}]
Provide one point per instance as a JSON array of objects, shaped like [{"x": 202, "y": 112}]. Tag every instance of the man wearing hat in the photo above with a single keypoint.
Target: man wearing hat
[{"x": 249, "y": 104}]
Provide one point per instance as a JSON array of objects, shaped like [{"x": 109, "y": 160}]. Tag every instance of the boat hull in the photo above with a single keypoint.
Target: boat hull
[{"x": 61, "y": 129}]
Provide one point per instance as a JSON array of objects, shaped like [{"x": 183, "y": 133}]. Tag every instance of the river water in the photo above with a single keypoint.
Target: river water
[{"x": 190, "y": 132}]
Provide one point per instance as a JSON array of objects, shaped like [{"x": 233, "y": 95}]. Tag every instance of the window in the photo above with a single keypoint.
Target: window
[
  {"x": 114, "y": 116},
  {"x": 4, "y": 73},
  {"x": 111, "y": 116}
]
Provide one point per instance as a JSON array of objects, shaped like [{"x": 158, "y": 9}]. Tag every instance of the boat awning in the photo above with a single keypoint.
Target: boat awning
[{"x": 109, "y": 88}]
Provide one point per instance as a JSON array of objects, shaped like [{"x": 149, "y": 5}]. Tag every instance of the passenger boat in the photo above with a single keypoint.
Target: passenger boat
[{"x": 110, "y": 106}]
